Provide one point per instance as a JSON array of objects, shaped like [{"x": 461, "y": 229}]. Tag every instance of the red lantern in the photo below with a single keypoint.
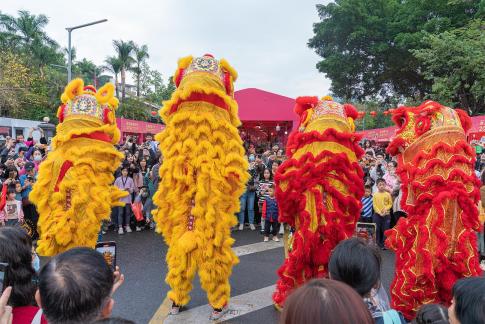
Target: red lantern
[
  {"x": 391, "y": 110},
  {"x": 360, "y": 114},
  {"x": 386, "y": 112},
  {"x": 153, "y": 113},
  {"x": 373, "y": 113}
]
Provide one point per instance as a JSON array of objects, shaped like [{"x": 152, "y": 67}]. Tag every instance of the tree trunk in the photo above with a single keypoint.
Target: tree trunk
[
  {"x": 138, "y": 85},
  {"x": 123, "y": 77},
  {"x": 116, "y": 85}
]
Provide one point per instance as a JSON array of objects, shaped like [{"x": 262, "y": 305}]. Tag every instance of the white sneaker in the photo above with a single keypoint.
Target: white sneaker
[
  {"x": 266, "y": 239},
  {"x": 241, "y": 227},
  {"x": 252, "y": 227},
  {"x": 120, "y": 230},
  {"x": 138, "y": 229},
  {"x": 482, "y": 265},
  {"x": 128, "y": 229},
  {"x": 217, "y": 314},
  {"x": 276, "y": 239}
]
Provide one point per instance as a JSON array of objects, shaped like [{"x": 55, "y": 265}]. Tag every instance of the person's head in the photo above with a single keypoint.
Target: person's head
[
  {"x": 267, "y": 175},
  {"x": 18, "y": 187},
  {"x": 367, "y": 191},
  {"x": 20, "y": 138},
  {"x": 37, "y": 156},
  {"x": 11, "y": 193},
  {"x": 75, "y": 287},
  {"x": 275, "y": 148},
  {"x": 431, "y": 314},
  {"x": 124, "y": 171},
  {"x": 279, "y": 153},
  {"x": 391, "y": 166},
  {"x": 271, "y": 191},
  {"x": 129, "y": 157},
  {"x": 149, "y": 137},
  {"x": 146, "y": 152},
  {"x": 379, "y": 158},
  {"x": 16, "y": 250},
  {"x": 12, "y": 172},
  {"x": 143, "y": 163},
  {"x": 21, "y": 152},
  {"x": 468, "y": 305},
  {"x": 381, "y": 184},
  {"x": 357, "y": 264},
  {"x": 30, "y": 168},
  {"x": 325, "y": 301},
  {"x": 10, "y": 162},
  {"x": 367, "y": 144},
  {"x": 251, "y": 158},
  {"x": 274, "y": 167}
]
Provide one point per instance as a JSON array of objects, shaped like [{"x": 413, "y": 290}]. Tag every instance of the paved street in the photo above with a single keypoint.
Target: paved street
[{"x": 141, "y": 257}]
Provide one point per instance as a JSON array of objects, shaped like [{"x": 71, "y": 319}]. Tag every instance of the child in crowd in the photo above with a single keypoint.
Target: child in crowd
[
  {"x": 124, "y": 182},
  {"x": 12, "y": 214},
  {"x": 270, "y": 216},
  {"x": 367, "y": 210},
  {"x": 382, "y": 203},
  {"x": 265, "y": 182}
]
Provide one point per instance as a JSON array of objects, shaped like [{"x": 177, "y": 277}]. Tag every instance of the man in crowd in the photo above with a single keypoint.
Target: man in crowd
[
  {"x": 76, "y": 287},
  {"x": 27, "y": 181}
]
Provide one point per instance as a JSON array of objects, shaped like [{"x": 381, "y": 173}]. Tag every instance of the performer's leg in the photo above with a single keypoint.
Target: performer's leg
[
  {"x": 181, "y": 271},
  {"x": 214, "y": 273}
]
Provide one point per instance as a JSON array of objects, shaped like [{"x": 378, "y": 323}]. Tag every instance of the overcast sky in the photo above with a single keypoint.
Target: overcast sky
[{"x": 265, "y": 40}]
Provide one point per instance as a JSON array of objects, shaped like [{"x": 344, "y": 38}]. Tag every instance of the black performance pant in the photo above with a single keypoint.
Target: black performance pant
[{"x": 274, "y": 226}]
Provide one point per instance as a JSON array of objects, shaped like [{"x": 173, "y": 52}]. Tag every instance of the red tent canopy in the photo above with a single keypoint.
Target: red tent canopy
[{"x": 259, "y": 105}]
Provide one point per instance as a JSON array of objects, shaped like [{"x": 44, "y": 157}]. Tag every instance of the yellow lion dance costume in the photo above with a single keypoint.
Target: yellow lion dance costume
[
  {"x": 436, "y": 244},
  {"x": 74, "y": 190},
  {"x": 202, "y": 177},
  {"x": 318, "y": 189}
]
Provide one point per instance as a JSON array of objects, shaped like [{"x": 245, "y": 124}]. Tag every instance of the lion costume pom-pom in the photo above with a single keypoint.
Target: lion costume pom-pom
[
  {"x": 318, "y": 189},
  {"x": 74, "y": 191}
]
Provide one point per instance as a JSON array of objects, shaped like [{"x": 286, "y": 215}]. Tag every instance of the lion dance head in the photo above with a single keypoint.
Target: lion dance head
[{"x": 85, "y": 110}]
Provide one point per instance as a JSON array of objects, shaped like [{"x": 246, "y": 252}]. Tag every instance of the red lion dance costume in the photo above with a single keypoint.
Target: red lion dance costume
[
  {"x": 318, "y": 189},
  {"x": 436, "y": 245}
]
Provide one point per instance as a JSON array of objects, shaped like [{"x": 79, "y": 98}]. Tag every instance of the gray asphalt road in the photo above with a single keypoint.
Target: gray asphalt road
[{"x": 141, "y": 257}]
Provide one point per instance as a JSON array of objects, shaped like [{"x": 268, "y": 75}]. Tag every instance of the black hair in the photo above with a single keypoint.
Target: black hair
[
  {"x": 469, "y": 300},
  {"x": 261, "y": 176},
  {"x": 113, "y": 320},
  {"x": 431, "y": 314},
  {"x": 11, "y": 189},
  {"x": 16, "y": 250},
  {"x": 380, "y": 180},
  {"x": 74, "y": 286},
  {"x": 394, "y": 163},
  {"x": 368, "y": 187},
  {"x": 357, "y": 264}
]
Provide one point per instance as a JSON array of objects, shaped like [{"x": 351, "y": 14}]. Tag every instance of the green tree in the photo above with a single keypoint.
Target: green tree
[
  {"x": 366, "y": 45},
  {"x": 140, "y": 55},
  {"x": 124, "y": 50},
  {"x": 113, "y": 65},
  {"x": 455, "y": 62}
]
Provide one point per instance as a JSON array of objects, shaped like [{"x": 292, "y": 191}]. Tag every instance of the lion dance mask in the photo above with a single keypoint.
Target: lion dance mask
[
  {"x": 318, "y": 189},
  {"x": 202, "y": 177},
  {"x": 436, "y": 245},
  {"x": 74, "y": 190}
]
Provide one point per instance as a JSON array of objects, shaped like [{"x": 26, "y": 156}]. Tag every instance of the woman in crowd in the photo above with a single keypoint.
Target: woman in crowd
[
  {"x": 123, "y": 214},
  {"x": 16, "y": 250},
  {"x": 324, "y": 301},
  {"x": 358, "y": 264},
  {"x": 468, "y": 305},
  {"x": 368, "y": 149}
]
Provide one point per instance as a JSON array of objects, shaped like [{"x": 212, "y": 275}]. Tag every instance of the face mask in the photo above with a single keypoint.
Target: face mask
[
  {"x": 251, "y": 158},
  {"x": 36, "y": 263},
  {"x": 38, "y": 158}
]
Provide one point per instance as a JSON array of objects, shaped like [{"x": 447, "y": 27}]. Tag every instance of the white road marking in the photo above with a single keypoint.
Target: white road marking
[
  {"x": 256, "y": 247},
  {"x": 238, "y": 306}
]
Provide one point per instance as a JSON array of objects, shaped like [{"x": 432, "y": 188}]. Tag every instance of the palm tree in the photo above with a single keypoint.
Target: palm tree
[
  {"x": 124, "y": 51},
  {"x": 141, "y": 54},
  {"x": 113, "y": 65}
]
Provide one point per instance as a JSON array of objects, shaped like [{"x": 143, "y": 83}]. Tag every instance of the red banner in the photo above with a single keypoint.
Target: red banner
[{"x": 138, "y": 126}]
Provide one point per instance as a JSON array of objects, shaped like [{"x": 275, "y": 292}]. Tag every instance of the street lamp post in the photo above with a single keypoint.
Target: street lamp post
[{"x": 69, "y": 30}]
